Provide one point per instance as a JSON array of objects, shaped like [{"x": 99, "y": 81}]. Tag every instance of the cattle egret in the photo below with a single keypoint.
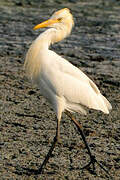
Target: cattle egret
[{"x": 65, "y": 86}]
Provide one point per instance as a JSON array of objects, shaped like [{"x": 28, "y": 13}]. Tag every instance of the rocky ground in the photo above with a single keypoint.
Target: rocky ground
[{"x": 28, "y": 123}]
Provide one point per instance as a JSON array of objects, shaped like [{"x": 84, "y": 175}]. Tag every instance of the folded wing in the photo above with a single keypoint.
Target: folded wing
[{"x": 66, "y": 81}]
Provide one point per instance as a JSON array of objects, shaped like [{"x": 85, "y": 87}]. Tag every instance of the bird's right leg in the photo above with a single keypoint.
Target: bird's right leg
[
  {"x": 58, "y": 131},
  {"x": 55, "y": 140},
  {"x": 48, "y": 155}
]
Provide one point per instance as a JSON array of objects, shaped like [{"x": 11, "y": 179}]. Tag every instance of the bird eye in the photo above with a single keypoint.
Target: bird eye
[{"x": 59, "y": 19}]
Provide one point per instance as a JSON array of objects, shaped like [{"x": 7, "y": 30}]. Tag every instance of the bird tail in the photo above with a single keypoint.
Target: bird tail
[
  {"x": 106, "y": 102},
  {"x": 100, "y": 103}
]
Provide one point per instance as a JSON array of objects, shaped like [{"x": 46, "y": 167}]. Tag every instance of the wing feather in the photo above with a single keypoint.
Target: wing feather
[{"x": 65, "y": 80}]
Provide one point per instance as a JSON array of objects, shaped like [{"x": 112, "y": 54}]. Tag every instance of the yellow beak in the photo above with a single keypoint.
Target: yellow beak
[{"x": 47, "y": 23}]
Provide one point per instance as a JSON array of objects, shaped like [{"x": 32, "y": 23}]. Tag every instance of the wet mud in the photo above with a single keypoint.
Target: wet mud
[{"x": 27, "y": 121}]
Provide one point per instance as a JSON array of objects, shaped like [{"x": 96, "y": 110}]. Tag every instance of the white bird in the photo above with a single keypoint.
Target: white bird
[{"x": 65, "y": 86}]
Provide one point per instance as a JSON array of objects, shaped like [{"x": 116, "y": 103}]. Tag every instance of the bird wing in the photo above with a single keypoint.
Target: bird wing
[{"x": 66, "y": 80}]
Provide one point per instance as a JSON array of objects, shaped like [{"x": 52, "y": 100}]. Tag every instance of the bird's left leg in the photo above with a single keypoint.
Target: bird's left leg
[
  {"x": 79, "y": 126},
  {"x": 92, "y": 157}
]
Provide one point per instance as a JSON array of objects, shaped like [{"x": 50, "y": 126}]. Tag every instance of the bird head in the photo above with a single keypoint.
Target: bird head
[{"x": 61, "y": 18}]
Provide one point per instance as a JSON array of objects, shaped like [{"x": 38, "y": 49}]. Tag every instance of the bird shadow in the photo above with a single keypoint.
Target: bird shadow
[
  {"x": 27, "y": 171},
  {"x": 30, "y": 171}
]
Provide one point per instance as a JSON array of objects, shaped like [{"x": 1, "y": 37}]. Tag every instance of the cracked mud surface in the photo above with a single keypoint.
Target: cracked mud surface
[{"x": 27, "y": 122}]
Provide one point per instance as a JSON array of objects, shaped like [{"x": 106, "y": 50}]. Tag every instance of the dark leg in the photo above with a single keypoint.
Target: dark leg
[
  {"x": 55, "y": 140},
  {"x": 92, "y": 157},
  {"x": 48, "y": 155}
]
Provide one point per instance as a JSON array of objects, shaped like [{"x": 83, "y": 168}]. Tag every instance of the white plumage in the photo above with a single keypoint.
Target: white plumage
[{"x": 65, "y": 86}]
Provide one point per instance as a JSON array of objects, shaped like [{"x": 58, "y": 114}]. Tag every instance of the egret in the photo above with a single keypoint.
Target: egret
[{"x": 65, "y": 86}]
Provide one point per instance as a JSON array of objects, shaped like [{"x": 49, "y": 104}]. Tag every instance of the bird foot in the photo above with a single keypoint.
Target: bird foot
[{"x": 92, "y": 161}]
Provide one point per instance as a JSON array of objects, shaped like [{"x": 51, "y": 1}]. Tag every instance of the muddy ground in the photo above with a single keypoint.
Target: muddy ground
[{"x": 28, "y": 123}]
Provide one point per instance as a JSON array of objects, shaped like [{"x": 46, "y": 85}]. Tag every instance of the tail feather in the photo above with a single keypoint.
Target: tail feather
[
  {"x": 99, "y": 103},
  {"x": 107, "y": 103},
  {"x": 102, "y": 104}
]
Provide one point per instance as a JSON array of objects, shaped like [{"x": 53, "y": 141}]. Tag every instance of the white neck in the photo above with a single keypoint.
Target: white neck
[
  {"x": 51, "y": 36},
  {"x": 41, "y": 45}
]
